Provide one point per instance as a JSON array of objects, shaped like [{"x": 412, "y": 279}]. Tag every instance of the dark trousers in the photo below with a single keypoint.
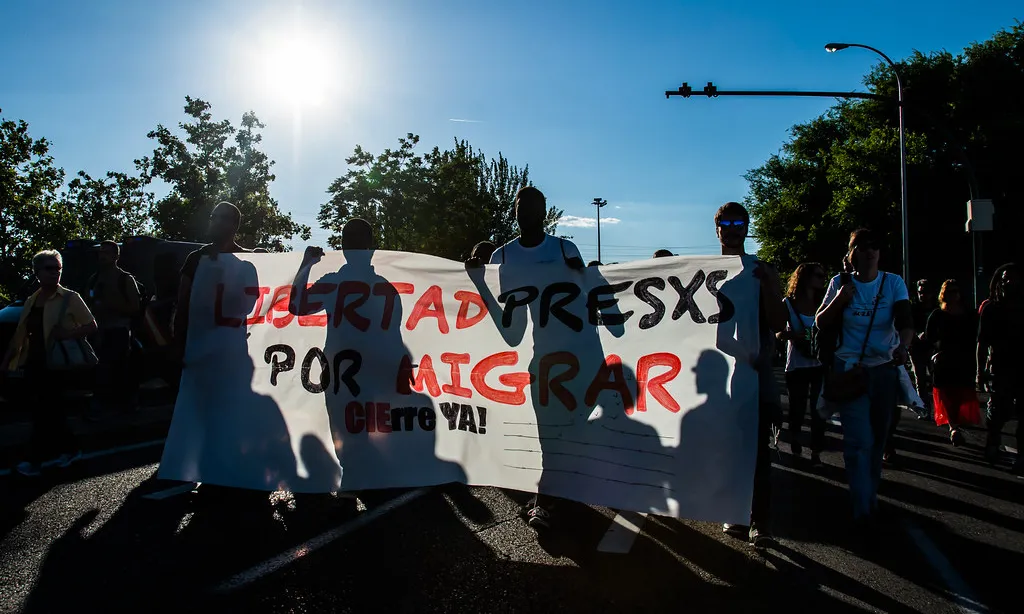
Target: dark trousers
[
  {"x": 51, "y": 434},
  {"x": 804, "y": 387},
  {"x": 760, "y": 505},
  {"x": 115, "y": 383},
  {"x": 1007, "y": 404}
]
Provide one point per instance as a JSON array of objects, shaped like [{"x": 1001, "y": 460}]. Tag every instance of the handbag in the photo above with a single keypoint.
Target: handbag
[
  {"x": 69, "y": 353},
  {"x": 845, "y": 386}
]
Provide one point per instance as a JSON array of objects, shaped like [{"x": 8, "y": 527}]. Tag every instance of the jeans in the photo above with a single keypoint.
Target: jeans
[
  {"x": 866, "y": 422},
  {"x": 804, "y": 387},
  {"x": 1007, "y": 403}
]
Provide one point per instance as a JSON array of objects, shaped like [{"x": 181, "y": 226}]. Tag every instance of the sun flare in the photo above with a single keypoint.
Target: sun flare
[{"x": 298, "y": 71}]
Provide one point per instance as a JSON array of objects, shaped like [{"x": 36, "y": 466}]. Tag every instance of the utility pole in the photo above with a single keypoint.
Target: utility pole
[{"x": 598, "y": 202}]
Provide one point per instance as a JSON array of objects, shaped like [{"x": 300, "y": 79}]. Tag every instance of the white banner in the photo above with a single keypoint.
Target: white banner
[{"x": 628, "y": 386}]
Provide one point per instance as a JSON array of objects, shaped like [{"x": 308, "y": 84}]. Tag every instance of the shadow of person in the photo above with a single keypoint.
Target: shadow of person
[
  {"x": 223, "y": 432},
  {"x": 572, "y": 446},
  {"x": 709, "y": 439},
  {"x": 383, "y": 434}
]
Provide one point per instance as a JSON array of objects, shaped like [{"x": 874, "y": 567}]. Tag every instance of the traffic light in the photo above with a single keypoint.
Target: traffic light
[
  {"x": 685, "y": 90},
  {"x": 711, "y": 90}
]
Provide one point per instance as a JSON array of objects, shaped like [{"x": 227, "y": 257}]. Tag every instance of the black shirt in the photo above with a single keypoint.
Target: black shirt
[
  {"x": 1002, "y": 329},
  {"x": 954, "y": 336}
]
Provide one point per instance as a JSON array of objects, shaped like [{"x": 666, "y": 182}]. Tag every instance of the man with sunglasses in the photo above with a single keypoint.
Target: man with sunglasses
[{"x": 732, "y": 222}]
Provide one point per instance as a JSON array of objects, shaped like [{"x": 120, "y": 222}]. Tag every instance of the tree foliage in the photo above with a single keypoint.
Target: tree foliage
[
  {"x": 215, "y": 162},
  {"x": 440, "y": 203},
  {"x": 112, "y": 207},
  {"x": 31, "y": 216},
  {"x": 965, "y": 119}
]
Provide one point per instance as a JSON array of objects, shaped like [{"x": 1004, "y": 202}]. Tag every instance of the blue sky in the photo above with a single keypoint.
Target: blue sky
[{"x": 574, "y": 89}]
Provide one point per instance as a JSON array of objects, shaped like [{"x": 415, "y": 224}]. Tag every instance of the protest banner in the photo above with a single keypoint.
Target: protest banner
[{"x": 629, "y": 386}]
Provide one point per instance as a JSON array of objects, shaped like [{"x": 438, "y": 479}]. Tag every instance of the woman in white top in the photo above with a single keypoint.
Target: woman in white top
[
  {"x": 873, "y": 310},
  {"x": 803, "y": 371}
]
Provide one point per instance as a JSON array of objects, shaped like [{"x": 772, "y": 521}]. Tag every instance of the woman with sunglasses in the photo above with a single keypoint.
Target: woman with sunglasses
[
  {"x": 952, "y": 331},
  {"x": 803, "y": 371},
  {"x": 873, "y": 311},
  {"x": 53, "y": 313}
]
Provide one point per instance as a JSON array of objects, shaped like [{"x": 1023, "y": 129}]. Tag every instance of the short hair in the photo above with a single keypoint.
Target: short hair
[
  {"x": 112, "y": 245},
  {"x": 46, "y": 254},
  {"x": 234, "y": 209},
  {"x": 732, "y": 208},
  {"x": 483, "y": 250},
  {"x": 531, "y": 195},
  {"x": 945, "y": 288},
  {"x": 663, "y": 253},
  {"x": 594, "y": 263},
  {"x": 357, "y": 234},
  {"x": 995, "y": 284}
]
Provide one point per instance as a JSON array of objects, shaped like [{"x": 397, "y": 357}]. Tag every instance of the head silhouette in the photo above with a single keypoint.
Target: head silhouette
[
  {"x": 224, "y": 222},
  {"x": 712, "y": 373},
  {"x": 531, "y": 209},
  {"x": 663, "y": 253},
  {"x": 357, "y": 234}
]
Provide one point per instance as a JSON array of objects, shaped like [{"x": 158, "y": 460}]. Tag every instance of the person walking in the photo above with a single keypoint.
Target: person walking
[
  {"x": 113, "y": 298},
  {"x": 1000, "y": 338},
  {"x": 953, "y": 332},
  {"x": 803, "y": 371},
  {"x": 52, "y": 317},
  {"x": 872, "y": 310}
]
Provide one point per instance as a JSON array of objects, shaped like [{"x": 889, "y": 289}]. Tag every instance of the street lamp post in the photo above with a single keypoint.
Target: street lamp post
[
  {"x": 599, "y": 203},
  {"x": 833, "y": 47}
]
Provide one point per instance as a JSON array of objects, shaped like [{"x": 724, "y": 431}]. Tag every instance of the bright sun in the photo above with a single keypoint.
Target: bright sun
[{"x": 298, "y": 70}]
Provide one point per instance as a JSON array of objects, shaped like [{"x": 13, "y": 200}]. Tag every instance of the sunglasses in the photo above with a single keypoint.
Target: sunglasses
[{"x": 728, "y": 223}]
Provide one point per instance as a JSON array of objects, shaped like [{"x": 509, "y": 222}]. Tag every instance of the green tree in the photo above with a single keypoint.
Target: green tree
[
  {"x": 112, "y": 207},
  {"x": 441, "y": 203},
  {"x": 841, "y": 170},
  {"x": 31, "y": 215},
  {"x": 216, "y": 162}
]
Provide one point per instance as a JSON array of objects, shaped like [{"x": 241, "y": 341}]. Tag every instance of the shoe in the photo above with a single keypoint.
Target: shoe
[
  {"x": 66, "y": 460},
  {"x": 1018, "y": 467},
  {"x": 956, "y": 437},
  {"x": 538, "y": 519},
  {"x": 760, "y": 537},
  {"x": 889, "y": 457},
  {"x": 816, "y": 459},
  {"x": 796, "y": 449},
  {"x": 27, "y": 469},
  {"x": 739, "y": 531}
]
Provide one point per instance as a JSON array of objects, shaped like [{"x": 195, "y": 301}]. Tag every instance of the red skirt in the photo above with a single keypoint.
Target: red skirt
[{"x": 960, "y": 403}]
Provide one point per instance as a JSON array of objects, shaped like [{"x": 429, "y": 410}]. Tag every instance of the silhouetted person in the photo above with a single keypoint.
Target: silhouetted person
[
  {"x": 224, "y": 223},
  {"x": 732, "y": 222},
  {"x": 663, "y": 253},
  {"x": 482, "y": 251},
  {"x": 113, "y": 297},
  {"x": 1001, "y": 332}
]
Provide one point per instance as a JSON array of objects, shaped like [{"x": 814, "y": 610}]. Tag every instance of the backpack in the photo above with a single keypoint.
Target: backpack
[{"x": 825, "y": 341}]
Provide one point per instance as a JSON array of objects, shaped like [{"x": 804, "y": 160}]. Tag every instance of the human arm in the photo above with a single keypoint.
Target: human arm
[
  {"x": 837, "y": 297},
  {"x": 311, "y": 256},
  {"x": 984, "y": 343},
  {"x": 84, "y": 322},
  {"x": 902, "y": 318},
  {"x": 932, "y": 330}
]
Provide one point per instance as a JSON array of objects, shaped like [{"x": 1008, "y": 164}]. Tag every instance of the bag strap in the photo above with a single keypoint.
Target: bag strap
[
  {"x": 794, "y": 314},
  {"x": 871, "y": 322},
  {"x": 60, "y": 316}
]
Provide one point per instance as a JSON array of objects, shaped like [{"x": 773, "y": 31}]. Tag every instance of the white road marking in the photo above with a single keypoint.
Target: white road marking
[
  {"x": 171, "y": 492},
  {"x": 291, "y": 555},
  {"x": 622, "y": 533},
  {"x": 99, "y": 453},
  {"x": 961, "y": 594}
]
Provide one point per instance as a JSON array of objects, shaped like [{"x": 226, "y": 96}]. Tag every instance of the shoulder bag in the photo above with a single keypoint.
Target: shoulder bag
[
  {"x": 846, "y": 386},
  {"x": 69, "y": 353}
]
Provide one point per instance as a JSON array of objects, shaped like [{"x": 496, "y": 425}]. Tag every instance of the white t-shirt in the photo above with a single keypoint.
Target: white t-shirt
[
  {"x": 801, "y": 324},
  {"x": 884, "y": 337},
  {"x": 549, "y": 250}
]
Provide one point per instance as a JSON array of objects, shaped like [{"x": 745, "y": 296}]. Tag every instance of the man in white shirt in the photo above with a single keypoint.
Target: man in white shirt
[{"x": 534, "y": 245}]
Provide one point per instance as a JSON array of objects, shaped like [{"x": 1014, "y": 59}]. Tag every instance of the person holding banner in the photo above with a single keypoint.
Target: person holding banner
[
  {"x": 873, "y": 309},
  {"x": 224, "y": 223},
  {"x": 53, "y": 318},
  {"x": 732, "y": 222}
]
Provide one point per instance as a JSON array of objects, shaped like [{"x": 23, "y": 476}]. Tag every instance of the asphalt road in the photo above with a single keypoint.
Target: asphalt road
[{"x": 105, "y": 535}]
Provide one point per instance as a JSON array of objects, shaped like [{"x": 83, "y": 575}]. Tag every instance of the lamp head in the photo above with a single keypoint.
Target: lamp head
[{"x": 833, "y": 47}]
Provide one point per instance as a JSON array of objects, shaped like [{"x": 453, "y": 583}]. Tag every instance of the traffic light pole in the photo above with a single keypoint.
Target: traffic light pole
[{"x": 711, "y": 91}]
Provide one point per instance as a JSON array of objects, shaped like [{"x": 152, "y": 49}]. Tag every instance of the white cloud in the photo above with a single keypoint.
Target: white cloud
[
  {"x": 573, "y": 221},
  {"x": 465, "y": 121}
]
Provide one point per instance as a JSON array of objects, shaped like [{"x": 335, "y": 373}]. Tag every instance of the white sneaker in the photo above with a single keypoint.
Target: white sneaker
[
  {"x": 27, "y": 469},
  {"x": 66, "y": 460}
]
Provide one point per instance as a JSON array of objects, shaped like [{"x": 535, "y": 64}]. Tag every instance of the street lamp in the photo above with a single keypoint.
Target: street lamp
[
  {"x": 599, "y": 203},
  {"x": 832, "y": 48}
]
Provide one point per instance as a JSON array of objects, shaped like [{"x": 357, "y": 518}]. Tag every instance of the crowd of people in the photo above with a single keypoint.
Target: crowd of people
[{"x": 857, "y": 344}]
